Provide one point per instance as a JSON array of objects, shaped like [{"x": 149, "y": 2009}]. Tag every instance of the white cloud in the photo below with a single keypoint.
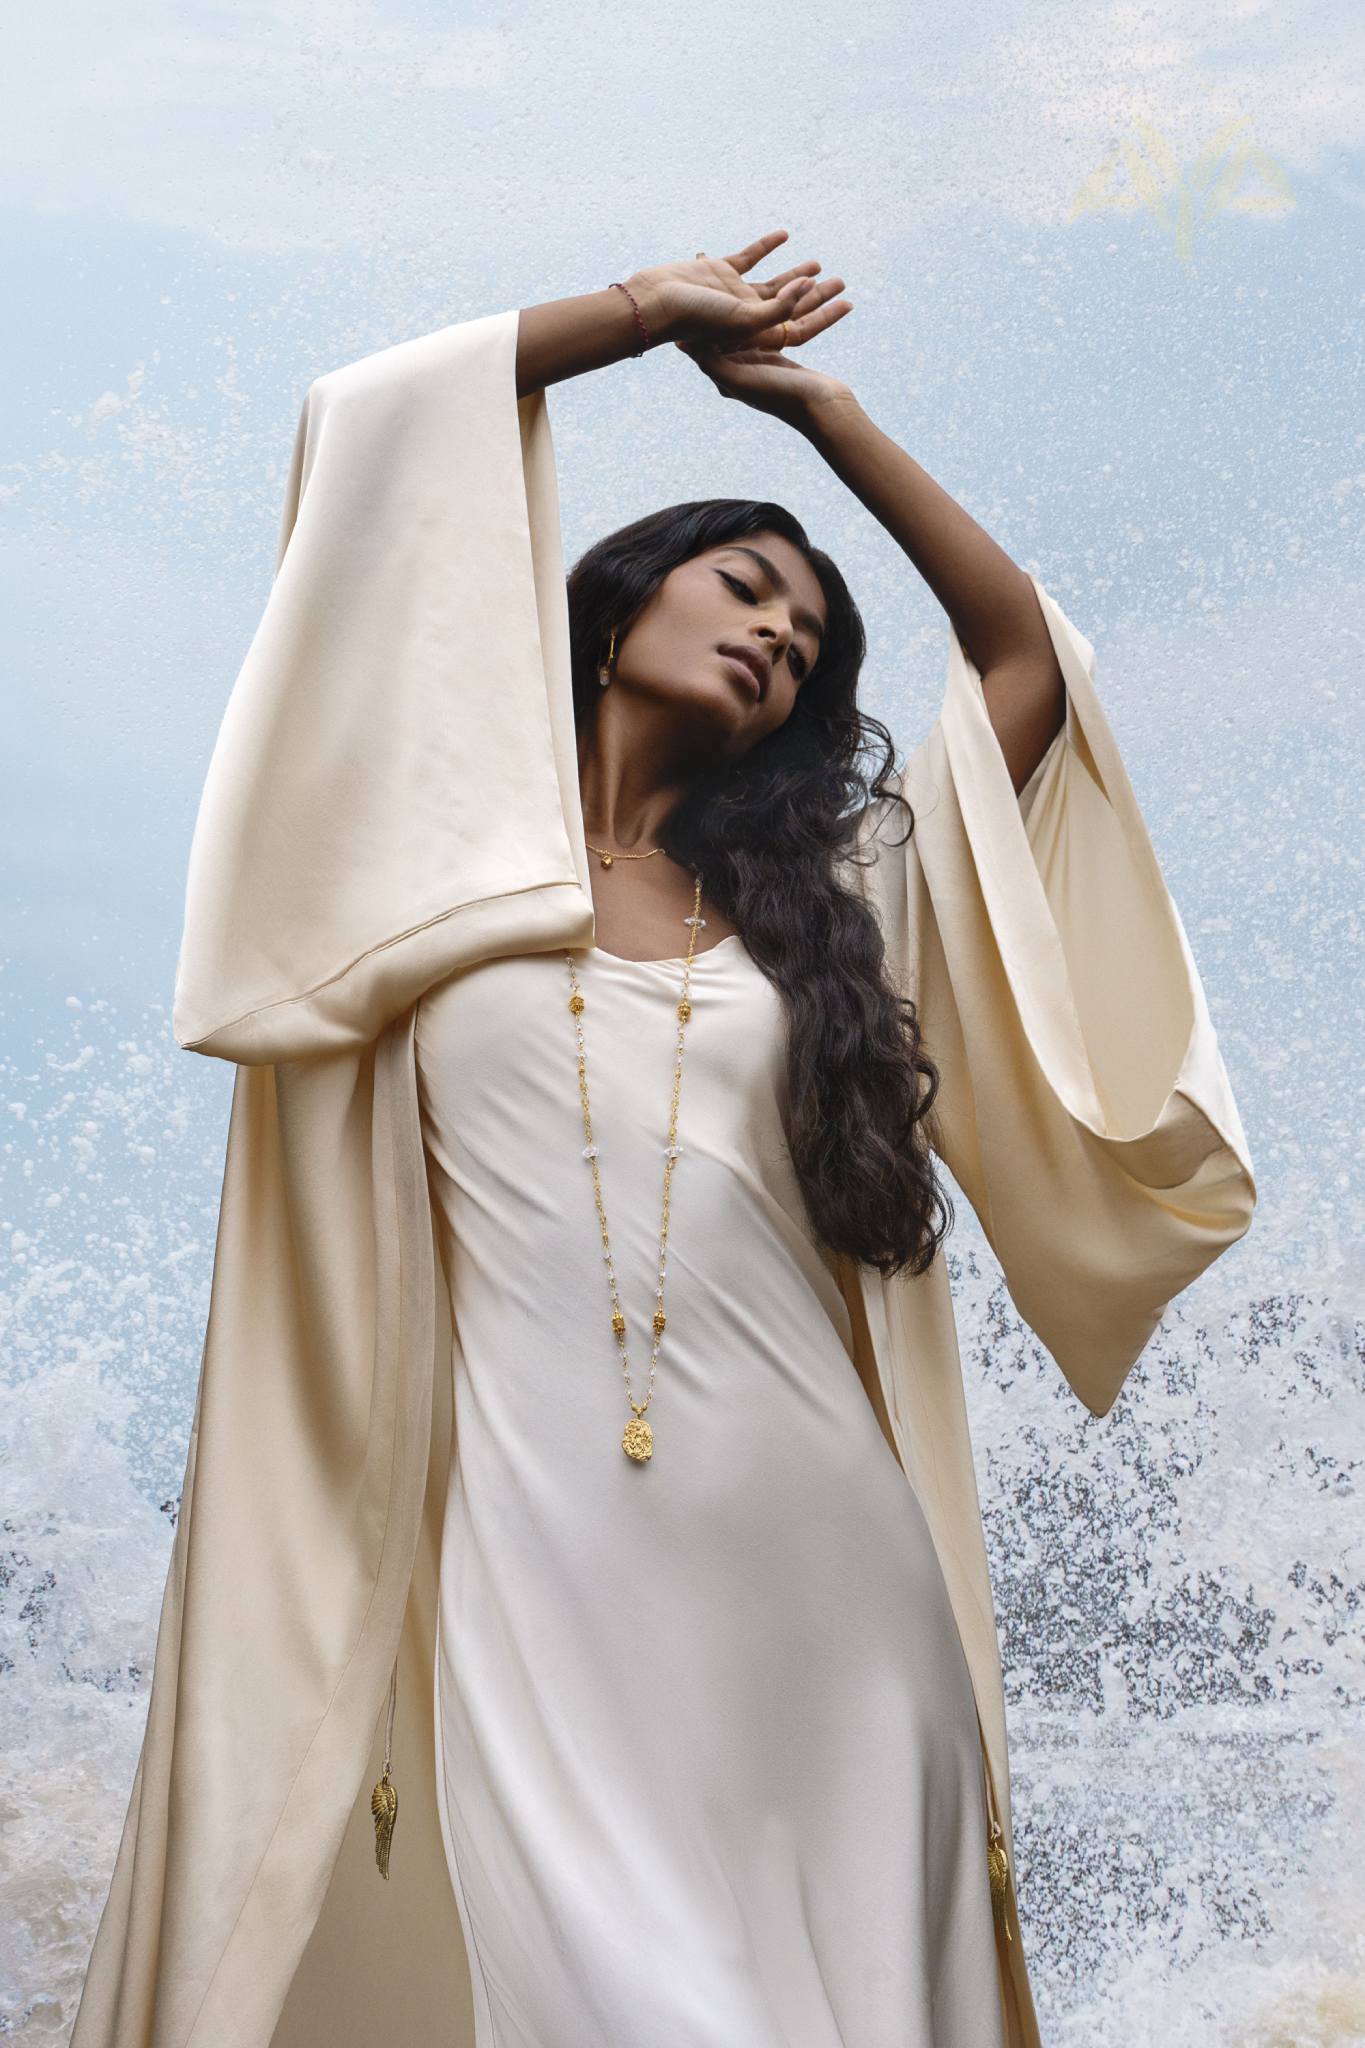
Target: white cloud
[
  {"x": 332, "y": 127},
  {"x": 267, "y": 128},
  {"x": 1293, "y": 84}
]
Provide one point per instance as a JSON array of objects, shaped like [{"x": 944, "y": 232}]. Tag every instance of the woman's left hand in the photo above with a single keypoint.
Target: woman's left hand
[{"x": 769, "y": 379}]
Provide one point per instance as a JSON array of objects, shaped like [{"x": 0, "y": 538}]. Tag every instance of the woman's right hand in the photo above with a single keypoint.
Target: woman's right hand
[{"x": 710, "y": 300}]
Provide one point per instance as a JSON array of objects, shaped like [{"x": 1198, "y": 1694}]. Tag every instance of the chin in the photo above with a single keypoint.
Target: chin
[{"x": 711, "y": 704}]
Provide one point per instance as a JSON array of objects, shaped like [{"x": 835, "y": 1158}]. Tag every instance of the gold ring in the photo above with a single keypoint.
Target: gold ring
[{"x": 783, "y": 342}]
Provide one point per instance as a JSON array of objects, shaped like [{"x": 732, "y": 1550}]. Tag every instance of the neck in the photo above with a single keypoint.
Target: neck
[{"x": 626, "y": 803}]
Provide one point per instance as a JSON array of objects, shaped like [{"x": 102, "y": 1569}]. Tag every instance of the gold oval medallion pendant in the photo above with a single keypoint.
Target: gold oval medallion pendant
[{"x": 638, "y": 1441}]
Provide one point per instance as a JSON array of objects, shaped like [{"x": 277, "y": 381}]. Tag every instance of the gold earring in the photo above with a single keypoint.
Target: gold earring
[{"x": 604, "y": 672}]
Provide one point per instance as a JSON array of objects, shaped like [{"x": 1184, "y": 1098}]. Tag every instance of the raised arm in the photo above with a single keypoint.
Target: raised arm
[
  {"x": 565, "y": 337},
  {"x": 987, "y": 596}
]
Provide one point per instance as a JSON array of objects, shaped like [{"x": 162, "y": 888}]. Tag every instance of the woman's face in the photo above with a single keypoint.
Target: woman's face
[{"x": 759, "y": 594}]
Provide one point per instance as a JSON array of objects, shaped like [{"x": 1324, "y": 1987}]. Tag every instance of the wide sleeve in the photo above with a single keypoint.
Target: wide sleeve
[
  {"x": 391, "y": 765},
  {"x": 1084, "y": 1107}
]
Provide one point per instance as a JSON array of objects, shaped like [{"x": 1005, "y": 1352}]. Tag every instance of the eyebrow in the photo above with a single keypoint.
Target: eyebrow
[{"x": 779, "y": 582}]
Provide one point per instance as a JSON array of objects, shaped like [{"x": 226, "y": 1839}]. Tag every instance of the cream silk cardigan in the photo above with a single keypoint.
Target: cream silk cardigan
[{"x": 393, "y": 795}]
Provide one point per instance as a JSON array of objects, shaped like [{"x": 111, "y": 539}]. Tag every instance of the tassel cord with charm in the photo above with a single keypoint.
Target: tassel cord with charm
[{"x": 384, "y": 1798}]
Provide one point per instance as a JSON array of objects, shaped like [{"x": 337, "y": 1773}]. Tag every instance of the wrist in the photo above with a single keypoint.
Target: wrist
[
  {"x": 646, "y": 295},
  {"x": 824, "y": 414}
]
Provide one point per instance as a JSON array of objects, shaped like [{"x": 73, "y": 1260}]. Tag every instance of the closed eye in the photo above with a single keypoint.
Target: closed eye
[{"x": 794, "y": 653}]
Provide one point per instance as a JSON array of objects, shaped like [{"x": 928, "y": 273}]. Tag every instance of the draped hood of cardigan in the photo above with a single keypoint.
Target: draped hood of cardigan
[{"x": 393, "y": 795}]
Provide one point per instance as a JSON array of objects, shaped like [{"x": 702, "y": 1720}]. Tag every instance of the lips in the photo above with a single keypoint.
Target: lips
[{"x": 758, "y": 668}]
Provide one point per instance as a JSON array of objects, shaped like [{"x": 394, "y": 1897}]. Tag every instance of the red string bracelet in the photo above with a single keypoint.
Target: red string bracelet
[{"x": 616, "y": 286}]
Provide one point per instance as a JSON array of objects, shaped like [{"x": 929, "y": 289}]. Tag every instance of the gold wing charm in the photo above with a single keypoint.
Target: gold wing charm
[
  {"x": 384, "y": 1798},
  {"x": 384, "y": 1807},
  {"x": 997, "y": 1864}
]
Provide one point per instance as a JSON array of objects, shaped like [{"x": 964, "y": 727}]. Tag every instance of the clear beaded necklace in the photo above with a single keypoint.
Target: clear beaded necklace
[{"x": 638, "y": 1439}]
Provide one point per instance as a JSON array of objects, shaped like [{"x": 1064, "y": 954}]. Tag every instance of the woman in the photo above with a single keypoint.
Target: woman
[{"x": 551, "y": 937}]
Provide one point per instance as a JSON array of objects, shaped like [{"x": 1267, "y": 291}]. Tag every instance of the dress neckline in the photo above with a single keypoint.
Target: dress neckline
[{"x": 674, "y": 960}]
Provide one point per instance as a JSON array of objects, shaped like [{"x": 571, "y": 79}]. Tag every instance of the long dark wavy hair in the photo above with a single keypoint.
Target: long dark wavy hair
[{"x": 766, "y": 832}]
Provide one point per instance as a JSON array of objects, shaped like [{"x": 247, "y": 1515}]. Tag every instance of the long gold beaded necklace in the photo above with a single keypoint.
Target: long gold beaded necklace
[{"x": 638, "y": 1439}]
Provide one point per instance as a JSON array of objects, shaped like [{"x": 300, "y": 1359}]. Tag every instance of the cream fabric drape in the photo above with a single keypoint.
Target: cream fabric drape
[
  {"x": 387, "y": 800},
  {"x": 393, "y": 795},
  {"x": 1085, "y": 1109},
  {"x": 397, "y": 757}
]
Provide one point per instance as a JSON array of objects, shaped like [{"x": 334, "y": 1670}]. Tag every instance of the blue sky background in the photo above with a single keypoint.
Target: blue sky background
[{"x": 1151, "y": 401}]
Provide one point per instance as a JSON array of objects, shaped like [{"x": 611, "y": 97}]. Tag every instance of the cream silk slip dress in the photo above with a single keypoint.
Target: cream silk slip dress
[{"x": 707, "y": 1757}]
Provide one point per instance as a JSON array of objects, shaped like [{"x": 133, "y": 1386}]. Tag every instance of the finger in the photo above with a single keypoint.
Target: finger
[
  {"x": 810, "y": 324},
  {"x": 814, "y": 293},
  {"x": 745, "y": 259},
  {"x": 703, "y": 365},
  {"x": 770, "y": 312},
  {"x": 772, "y": 285},
  {"x": 699, "y": 353}
]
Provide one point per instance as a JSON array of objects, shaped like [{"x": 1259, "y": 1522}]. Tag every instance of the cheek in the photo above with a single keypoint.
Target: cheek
[
  {"x": 654, "y": 651},
  {"x": 686, "y": 605},
  {"x": 786, "y": 685},
  {"x": 671, "y": 633}
]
